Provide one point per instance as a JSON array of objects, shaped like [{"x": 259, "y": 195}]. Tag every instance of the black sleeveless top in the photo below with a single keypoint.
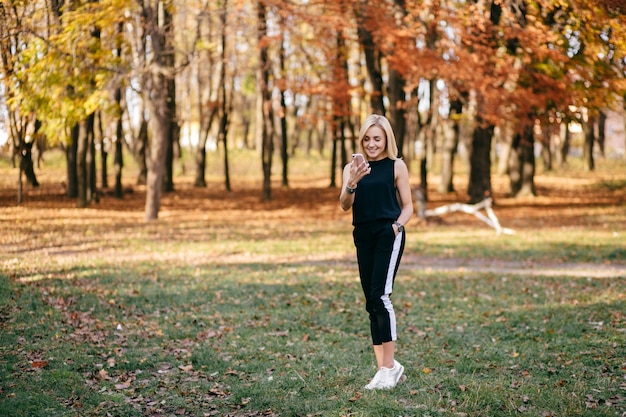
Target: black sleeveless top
[{"x": 376, "y": 197}]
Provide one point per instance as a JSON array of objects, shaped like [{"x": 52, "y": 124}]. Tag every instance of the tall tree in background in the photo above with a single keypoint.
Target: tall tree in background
[
  {"x": 12, "y": 40},
  {"x": 284, "y": 134},
  {"x": 206, "y": 103},
  {"x": 68, "y": 80},
  {"x": 86, "y": 148},
  {"x": 340, "y": 90},
  {"x": 118, "y": 138},
  {"x": 594, "y": 33},
  {"x": 226, "y": 100},
  {"x": 265, "y": 112},
  {"x": 366, "y": 15},
  {"x": 158, "y": 90}
]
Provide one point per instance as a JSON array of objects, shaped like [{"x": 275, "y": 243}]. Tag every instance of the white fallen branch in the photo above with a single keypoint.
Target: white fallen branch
[{"x": 491, "y": 219}]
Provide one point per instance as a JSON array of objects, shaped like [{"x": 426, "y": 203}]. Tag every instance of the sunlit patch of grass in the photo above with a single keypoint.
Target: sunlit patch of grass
[{"x": 548, "y": 245}]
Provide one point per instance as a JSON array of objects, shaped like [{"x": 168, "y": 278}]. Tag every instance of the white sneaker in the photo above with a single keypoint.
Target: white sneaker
[
  {"x": 386, "y": 378},
  {"x": 394, "y": 375},
  {"x": 378, "y": 380}
]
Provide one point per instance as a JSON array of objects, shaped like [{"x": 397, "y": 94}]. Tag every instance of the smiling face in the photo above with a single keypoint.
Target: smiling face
[{"x": 374, "y": 144}]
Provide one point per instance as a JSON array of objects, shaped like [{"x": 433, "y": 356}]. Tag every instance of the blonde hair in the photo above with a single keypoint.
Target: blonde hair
[{"x": 382, "y": 122}]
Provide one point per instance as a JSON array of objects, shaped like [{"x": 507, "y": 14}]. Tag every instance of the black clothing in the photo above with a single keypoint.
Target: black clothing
[
  {"x": 376, "y": 195},
  {"x": 378, "y": 249}
]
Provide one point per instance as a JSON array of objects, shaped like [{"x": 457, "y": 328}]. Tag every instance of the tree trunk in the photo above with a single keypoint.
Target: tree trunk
[
  {"x": 522, "y": 164},
  {"x": 173, "y": 129},
  {"x": 104, "y": 154},
  {"x": 206, "y": 121},
  {"x": 81, "y": 163},
  {"x": 118, "y": 161},
  {"x": 527, "y": 153},
  {"x": 333, "y": 156},
  {"x": 206, "y": 111},
  {"x": 223, "y": 135},
  {"x": 141, "y": 152},
  {"x": 156, "y": 166},
  {"x": 118, "y": 157},
  {"x": 589, "y": 132},
  {"x": 340, "y": 109},
  {"x": 266, "y": 114},
  {"x": 118, "y": 140},
  {"x": 504, "y": 148},
  {"x": 26, "y": 169},
  {"x": 428, "y": 133},
  {"x": 26, "y": 163},
  {"x": 480, "y": 164},
  {"x": 372, "y": 61},
  {"x": 168, "y": 172},
  {"x": 562, "y": 144},
  {"x": 546, "y": 154},
  {"x": 92, "y": 189},
  {"x": 602, "y": 133},
  {"x": 421, "y": 156},
  {"x": 226, "y": 100},
  {"x": 284, "y": 149},
  {"x": 246, "y": 128},
  {"x": 40, "y": 144},
  {"x": 397, "y": 110},
  {"x": 20, "y": 186},
  {"x": 71, "y": 157},
  {"x": 448, "y": 152},
  {"x": 223, "y": 128},
  {"x": 200, "y": 180},
  {"x": 424, "y": 177},
  {"x": 157, "y": 96}
]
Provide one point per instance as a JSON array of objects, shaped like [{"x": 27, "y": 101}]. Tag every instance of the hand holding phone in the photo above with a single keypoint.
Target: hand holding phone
[{"x": 358, "y": 158}]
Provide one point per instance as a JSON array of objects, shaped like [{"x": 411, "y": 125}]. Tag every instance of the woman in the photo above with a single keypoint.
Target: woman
[{"x": 379, "y": 193}]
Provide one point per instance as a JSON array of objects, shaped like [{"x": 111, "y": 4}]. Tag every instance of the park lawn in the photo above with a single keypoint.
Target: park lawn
[
  {"x": 152, "y": 338},
  {"x": 231, "y": 307},
  {"x": 255, "y": 319}
]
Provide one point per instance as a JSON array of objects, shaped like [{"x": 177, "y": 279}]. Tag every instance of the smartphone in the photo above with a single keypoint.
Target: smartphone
[{"x": 358, "y": 158}]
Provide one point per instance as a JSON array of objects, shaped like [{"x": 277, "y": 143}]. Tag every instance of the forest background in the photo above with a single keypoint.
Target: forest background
[{"x": 497, "y": 82}]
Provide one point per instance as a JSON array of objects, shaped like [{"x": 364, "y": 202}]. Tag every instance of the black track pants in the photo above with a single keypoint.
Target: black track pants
[{"x": 378, "y": 252}]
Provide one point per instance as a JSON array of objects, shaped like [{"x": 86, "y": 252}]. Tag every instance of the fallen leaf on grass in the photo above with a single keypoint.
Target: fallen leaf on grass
[
  {"x": 186, "y": 368},
  {"x": 217, "y": 392},
  {"x": 279, "y": 334},
  {"x": 122, "y": 385},
  {"x": 38, "y": 364}
]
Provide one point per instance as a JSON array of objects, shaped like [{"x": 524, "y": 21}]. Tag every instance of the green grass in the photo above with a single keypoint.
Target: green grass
[
  {"x": 172, "y": 336},
  {"x": 577, "y": 244}
]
